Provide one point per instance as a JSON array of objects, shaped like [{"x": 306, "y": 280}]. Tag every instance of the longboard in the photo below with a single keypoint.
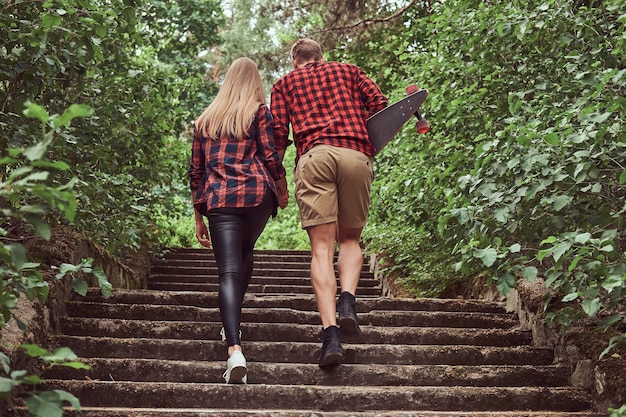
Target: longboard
[{"x": 385, "y": 124}]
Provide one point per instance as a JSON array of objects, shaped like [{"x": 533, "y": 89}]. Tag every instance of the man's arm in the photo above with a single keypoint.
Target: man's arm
[
  {"x": 374, "y": 98},
  {"x": 280, "y": 113}
]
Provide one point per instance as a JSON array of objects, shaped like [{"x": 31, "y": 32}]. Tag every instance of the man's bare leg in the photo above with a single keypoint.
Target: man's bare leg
[
  {"x": 350, "y": 259},
  {"x": 349, "y": 264},
  {"x": 323, "y": 278},
  {"x": 322, "y": 239}
]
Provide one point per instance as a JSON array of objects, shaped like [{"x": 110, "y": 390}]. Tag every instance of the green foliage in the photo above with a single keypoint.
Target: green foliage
[
  {"x": 618, "y": 412},
  {"x": 45, "y": 403},
  {"x": 28, "y": 197},
  {"x": 285, "y": 230},
  {"x": 522, "y": 175},
  {"x": 137, "y": 65}
]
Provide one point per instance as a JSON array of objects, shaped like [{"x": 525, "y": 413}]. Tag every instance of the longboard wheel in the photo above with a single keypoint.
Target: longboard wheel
[
  {"x": 411, "y": 89},
  {"x": 422, "y": 126}
]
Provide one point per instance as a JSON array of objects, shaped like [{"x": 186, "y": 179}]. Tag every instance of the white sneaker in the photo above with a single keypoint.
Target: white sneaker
[
  {"x": 236, "y": 371},
  {"x": 223, "y": 334}
]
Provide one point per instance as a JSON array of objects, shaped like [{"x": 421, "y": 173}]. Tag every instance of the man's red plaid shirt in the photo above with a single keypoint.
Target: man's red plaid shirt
[{"x": 325, "y": 103}]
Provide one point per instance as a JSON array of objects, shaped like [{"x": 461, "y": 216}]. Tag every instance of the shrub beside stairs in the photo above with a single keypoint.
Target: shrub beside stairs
[{"x": 156, "y": 352}]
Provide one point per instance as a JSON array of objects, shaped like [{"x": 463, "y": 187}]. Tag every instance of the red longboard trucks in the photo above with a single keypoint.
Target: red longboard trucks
[{"x": 422, "y": 126}]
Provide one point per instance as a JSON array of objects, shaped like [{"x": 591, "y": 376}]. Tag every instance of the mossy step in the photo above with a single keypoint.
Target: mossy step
[
  {"x": 295, "y": 301},
  {"x": 151, "y": 370},
  {"x": 151, "y": 412},
  {"x": 281, "y": 332},
  {"x": 302, "y": 352},
  {"x": 327, "y": 398},
  {"x": 384, "y": 318}
]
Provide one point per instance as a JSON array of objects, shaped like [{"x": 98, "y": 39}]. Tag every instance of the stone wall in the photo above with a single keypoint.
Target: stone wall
[{"x": 43, "y": 320}]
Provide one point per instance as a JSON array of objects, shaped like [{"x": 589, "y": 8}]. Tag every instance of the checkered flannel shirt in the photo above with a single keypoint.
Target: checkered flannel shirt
[
  {"x": 325, "y": 103},
  {"x": 235, "y": 172}
]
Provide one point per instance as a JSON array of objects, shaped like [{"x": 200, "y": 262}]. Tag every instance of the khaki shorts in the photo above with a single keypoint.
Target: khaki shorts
[{"x": 333, "y": 184}]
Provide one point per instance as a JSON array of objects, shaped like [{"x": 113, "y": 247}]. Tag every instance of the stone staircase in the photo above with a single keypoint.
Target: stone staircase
[{"x": 156, "y": 352}]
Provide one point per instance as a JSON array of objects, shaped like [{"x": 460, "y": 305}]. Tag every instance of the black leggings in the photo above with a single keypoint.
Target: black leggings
[{"x": 234, "y": 231}]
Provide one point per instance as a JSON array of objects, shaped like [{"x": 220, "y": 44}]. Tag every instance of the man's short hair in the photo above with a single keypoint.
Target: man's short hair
[{"x": 305, "y": 50}]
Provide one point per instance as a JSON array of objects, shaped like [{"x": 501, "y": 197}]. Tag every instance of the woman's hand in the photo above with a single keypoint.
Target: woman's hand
[
  {"x": 283, "y": 192},
  {"x": 202, "y": 233}
]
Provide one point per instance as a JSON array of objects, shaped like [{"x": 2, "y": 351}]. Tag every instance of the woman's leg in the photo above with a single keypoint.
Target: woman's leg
[
  {"x": 254, "y": 222},
  {"x": 225, "y": 227}
]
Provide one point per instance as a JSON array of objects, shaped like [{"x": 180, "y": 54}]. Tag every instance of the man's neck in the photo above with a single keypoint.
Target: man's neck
[{"x": 297, "y": 65}]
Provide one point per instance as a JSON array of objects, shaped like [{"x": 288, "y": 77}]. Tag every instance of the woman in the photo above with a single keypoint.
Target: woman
[{"x": 237, "y": 180}]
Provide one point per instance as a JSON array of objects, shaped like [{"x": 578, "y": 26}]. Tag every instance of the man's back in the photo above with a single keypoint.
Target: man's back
[{"x": 326, "y": 103}]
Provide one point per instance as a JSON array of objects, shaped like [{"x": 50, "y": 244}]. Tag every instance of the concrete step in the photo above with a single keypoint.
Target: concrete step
[
  {"x": 260, "y": 264},
  {"x": 279, "y": 332},
  {"x": 156, "y": 352},
  {"x": 294, "y": 301},
  {"x": 303, "y": 280},
  {"x": 152, "y": 370},
  {"x": 252, "y": 289},
  {"x": 384, "y": 318},
  {"x": 186, "y": 412},
  {"x": 318, "y": 397},
  {"x": 279, "y": 256},
  {"x": 211, "y": 272},
  {"x": 306, "y": 352}
]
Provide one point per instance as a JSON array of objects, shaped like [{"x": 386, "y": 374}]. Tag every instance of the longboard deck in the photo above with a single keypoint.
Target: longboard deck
[{"x": 385, "y": 124}]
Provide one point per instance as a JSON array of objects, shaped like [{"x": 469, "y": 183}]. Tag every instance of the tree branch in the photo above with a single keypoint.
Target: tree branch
[{"x": 367, "y": 22}]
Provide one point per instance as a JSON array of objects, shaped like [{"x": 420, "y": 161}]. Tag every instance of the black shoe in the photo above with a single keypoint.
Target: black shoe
[
  {"x": 332, "y": 352},
  {"x": 347, "y": 315}
]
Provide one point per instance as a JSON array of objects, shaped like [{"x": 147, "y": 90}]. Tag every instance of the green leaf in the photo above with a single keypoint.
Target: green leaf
[
  {"x": 60, "y": 165},
  {"x": 607, "y": 322},
  {"x": 38, "y": 150},
  {"x": 542, "y": 254},
  {"x": 6, "y": 362},
  {"x": 506, "y": 283},
  {"x": 560, "y": 249},
  {"x": 46, "y": 404},
  {"x": 488, "y": 256},
  {"x": 75, "y": 110},
  {"x": 614, "y": 281},
  {"x": 18, "y": 255},
  {"x": 622, "y": 177},
  {"x": 7, "y": 160},
  {"x": 34, "y": 351},
  {"x": 75, "y": 365},
  {"x": 104, "y": 283},
  {"x": 582, "y": 238},
  {"x": 6, "y": 386},
  {"x": 600, "y": 118},
  {"x": 529, "y": 273},
  {"x": 50, "y": 20},
  {"x": 65, "y": 268},
  {"x": 570, "y": 297},
  {"x": 42, "y": 228},
  {"x": 574, "y": 263},
  {"x": 79, "y": 286},
  {"x": 552, "y": 138},
  {"x": 515, "y": 248},
  {"x": 501, "y": 214},
  {"x": 562, "y": 201},
  {"x": 37, "y": 112},
  {"x": 591, "y": 306},
  {"x": 59, "y": 355},
  {"x": 607, "y": 248}
]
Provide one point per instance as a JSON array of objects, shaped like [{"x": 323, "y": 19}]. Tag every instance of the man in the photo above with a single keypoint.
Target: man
[{"x": 327, "y": 105}]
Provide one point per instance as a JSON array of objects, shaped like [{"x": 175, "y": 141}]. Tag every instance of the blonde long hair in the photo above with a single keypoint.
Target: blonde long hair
[{"x": 235, "y": 106}]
